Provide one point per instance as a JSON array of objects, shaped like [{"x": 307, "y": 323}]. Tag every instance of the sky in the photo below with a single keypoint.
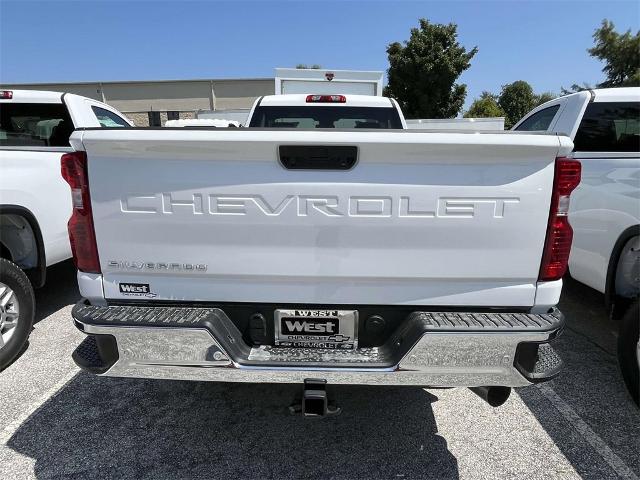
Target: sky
[{"x": 541, "y": 41}]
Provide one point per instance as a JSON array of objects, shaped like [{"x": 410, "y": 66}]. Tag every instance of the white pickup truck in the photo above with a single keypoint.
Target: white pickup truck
[
  {"x": 325, "y": 245},
  {"x": 35, "y": 202},
  {"x": 605, "y": 210}
]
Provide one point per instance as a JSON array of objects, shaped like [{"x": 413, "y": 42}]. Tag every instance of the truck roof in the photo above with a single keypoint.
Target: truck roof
[
  {"x": 32, "y": 96},
  {"x": 292, "y": 100},
  {"x": 623, "y": 94}
]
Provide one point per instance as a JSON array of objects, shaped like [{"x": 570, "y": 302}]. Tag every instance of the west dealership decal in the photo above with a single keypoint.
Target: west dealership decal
[{"x": 136, "y": 290}]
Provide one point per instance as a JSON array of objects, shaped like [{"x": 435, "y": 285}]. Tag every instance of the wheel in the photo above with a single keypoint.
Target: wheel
[
  {"x": 629, "y": 350},
  {"x": 17, "y": 309}
]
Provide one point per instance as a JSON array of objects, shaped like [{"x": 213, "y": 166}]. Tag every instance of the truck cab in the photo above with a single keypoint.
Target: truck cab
[
  {"x": 326, "y": 111},
  {"x": 35, "y": 202},
  {"x": 604, "y": 125}
]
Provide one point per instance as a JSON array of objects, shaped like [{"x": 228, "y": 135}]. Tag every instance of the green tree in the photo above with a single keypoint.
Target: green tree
[
  {"x": 621, "y": 54},
  {"x": 516, "y": 99},
  {"x": 544, "y": 98},
  {"x": 485, "y": 106},
  {"x": 575, "y": 88},
  {"x": 304, "y": 66},
  {"x": 423, "y": 71}
]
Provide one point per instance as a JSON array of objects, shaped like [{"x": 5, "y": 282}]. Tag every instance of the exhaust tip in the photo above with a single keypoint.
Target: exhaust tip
[{"x": 494, "y": 396}]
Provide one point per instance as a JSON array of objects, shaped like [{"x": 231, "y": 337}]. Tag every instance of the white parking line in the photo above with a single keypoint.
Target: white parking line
[
  {"x": 592, "y": 438},
  {"x": 33, "y": 407}
]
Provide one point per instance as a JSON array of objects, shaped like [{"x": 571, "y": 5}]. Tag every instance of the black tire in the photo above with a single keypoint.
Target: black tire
[
  {"x": 628, "y": 350},
  {"x": 16, "y": 280}
]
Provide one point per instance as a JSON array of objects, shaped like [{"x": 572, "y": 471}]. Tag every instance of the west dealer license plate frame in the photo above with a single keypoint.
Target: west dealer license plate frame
[{"x": 316, "y": 328}]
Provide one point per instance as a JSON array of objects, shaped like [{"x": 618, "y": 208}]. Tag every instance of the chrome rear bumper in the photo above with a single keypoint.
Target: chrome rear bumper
[{"x": 429, "y": 349}]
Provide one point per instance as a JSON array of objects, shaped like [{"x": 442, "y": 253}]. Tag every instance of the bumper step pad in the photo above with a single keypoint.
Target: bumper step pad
[
  {"x": 485, "y": 322},
  {"x": 146, "y": 316},
  {"x": 538, "y": 363},
  {"x": 96, "y": 353},
  {"x": 87, "y": 354},
  {"x": 206, "y": 317}
]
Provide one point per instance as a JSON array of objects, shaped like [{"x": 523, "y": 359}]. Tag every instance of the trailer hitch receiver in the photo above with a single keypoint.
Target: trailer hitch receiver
[{"x": 314, "y": 401}]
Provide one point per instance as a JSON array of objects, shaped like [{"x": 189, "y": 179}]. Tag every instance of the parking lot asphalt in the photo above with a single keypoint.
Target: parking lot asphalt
[{"x": 57, "y": 421}]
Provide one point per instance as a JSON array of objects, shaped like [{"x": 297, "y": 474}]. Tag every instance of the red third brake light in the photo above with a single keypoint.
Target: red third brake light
[
  {"x": 326, "y": 99},
  {"x": 81, "y": 232},
  {"x": 559, "y": 232}
]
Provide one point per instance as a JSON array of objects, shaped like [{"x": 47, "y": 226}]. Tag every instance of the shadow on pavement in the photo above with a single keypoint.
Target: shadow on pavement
[
  {"x": 105, "y": 427},
  {"x": 592, "y": 387},
  {"x": 60, "y": 290}
]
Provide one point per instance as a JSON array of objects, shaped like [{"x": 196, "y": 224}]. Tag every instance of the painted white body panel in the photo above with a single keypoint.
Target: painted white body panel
[
  {"x": 475, "y": 124},
  {"x": 421, "y": 219},
  {"x": 300, "y": 100},
  {"x": 31, "y": 176},
  {"x": 327, "y": 88},
  {"x": 202, "y": 122},
  {"x": 607, "y": 201},
  {"x": 32, "y": 180},
  {"x": 308, "y": 80},
  {"x": 239, "y": 115}
]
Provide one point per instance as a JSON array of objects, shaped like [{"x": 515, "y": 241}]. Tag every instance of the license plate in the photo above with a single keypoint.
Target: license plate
[{"x": 336, "y": 329}]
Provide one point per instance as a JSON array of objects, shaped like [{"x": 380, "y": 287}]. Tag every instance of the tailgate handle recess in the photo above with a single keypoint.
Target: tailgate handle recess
[{"x": 318, "y": 157}]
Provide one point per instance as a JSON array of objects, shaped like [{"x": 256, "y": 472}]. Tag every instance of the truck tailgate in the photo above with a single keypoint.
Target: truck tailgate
[{"x": 420, "y": 219}]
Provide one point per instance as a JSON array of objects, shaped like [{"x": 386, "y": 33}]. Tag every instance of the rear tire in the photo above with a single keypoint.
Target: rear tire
[
  {"x": 16, "y": 295},
  {"x": 628, "y": 350}
]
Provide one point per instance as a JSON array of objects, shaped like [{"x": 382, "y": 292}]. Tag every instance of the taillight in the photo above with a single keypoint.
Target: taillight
[
  {"x": 326, "y": 99},
  {"x": 559, "y": 232},
  {"x": 6, "y": 94},
  {"x": 81, "y": 232}
]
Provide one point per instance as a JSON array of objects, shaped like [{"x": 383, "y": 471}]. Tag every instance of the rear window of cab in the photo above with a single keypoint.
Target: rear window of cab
[
  {"x": 35, "y": 125},
  {"x": 609, "y": 127},
  {"x": 325, "y": 117}
]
